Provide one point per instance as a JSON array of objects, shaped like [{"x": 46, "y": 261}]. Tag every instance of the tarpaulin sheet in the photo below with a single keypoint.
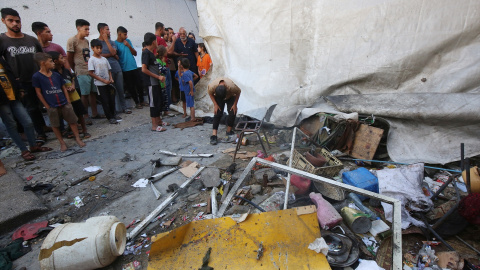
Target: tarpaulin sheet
[{"x": 293, "y": 53}]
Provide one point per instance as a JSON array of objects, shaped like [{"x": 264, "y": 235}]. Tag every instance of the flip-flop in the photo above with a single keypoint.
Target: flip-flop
[
  {"x": 160, "y": 129},
  {"x": 37, "y": 149},
  {"x": 28, "y": 156},
  {"x": 98, "y": 116},
  {"x": 86, "y": 135},
  {"x": 165, "y": 124}
]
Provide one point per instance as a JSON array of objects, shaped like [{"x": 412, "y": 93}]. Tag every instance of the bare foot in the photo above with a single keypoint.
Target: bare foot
[
  {"x": 80, "y": 143},
  {"x": 3, "y": 171},
  {"x": 63, "y": 147},
  {"x": 184, "y": 115},
  {"x": 193, "y": 119}
]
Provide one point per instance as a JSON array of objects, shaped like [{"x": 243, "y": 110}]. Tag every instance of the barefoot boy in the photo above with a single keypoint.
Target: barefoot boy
[
  {"x": 51, "y": 90},
  {"x": 185, "y": 78}
]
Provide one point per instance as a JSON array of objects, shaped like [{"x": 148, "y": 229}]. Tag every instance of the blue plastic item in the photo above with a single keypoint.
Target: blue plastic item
[{"x": 361, "y": 178}]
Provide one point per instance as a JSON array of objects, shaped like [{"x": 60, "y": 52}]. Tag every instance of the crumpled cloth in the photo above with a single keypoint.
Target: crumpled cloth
[
  {"x": 405, "y": 185},
  {"x": 319, "y": 245}
]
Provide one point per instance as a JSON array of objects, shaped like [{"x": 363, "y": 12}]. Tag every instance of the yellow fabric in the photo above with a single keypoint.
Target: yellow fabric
[
  {"x": 6, "y": 85},
  {"x": 72, "y": 94}
]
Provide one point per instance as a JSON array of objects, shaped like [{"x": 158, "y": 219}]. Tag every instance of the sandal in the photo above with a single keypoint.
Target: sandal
[
  {"x": 145, "y": 104},
  {"x": 138, "y": 106},
  {"x": 160, "y": 129},
  {"x": 127, "y": 111},
  {"x": 86, "y": 135},
  {"x": 37, "y": 149},
  {"x": 26, "y": 155},
  {"x": 88, "y": 121},
  {"x": 165, "y": 124},
  {"x": 98, "y": 116}
]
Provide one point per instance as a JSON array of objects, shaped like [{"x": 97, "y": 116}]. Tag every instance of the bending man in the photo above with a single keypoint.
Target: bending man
[{"x": 223, "y": 91}]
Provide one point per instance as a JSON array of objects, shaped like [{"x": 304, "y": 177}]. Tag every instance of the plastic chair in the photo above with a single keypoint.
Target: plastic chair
[{"x": 253, "y": 126}]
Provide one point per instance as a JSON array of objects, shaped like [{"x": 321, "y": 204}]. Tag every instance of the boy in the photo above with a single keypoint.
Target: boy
[
  {"x": 99, "y": 70},
  {"x": 51, "y": 91},
  {"x": 163, "y": 71},
  {"x": 185, "y": 78},
  {"x": 150, "y": 68},
  {"x": 72, "y": 92},
  {"x": 78, "y": 53}
]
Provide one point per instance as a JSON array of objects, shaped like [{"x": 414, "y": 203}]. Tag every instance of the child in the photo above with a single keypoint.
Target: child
[
  {"x": 204, "y": 62},
  {"x": 77, "y": 104},
  {"x": 99, "y": 70},
  {"x": 51, "y": 90},
  {"x": 185, "y": 78},
  {"x": 162, "y": 68},
  {"x": 150, "y": 68}
]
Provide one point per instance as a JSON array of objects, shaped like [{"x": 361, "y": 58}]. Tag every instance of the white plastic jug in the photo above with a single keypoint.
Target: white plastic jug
[{"x": 89, "y": 245}]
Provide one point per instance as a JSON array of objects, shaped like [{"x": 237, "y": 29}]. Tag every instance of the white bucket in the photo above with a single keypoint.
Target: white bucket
[{"x": 89, "y": 245}]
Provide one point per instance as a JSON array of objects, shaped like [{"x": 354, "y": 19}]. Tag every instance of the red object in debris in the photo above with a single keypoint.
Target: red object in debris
[
  {"x": 270, "y": 158},
  {"x": 29, "y": 231},
  {"x": 29, "y": 178},
  {"x": 302, "y": 183}
]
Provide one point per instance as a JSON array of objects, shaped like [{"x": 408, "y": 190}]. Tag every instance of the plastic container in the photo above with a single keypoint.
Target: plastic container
[
  {"x": 302, "y": 183},
  {"x": 327, "y": 216},
  {"x": 89, "y": 245},
  {"x": 361, "y": 178},
  {"x": 330, "y": 169}
]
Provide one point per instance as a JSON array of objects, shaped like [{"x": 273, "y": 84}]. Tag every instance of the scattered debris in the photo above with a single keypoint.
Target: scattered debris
[{"x": 77, "y": 201}]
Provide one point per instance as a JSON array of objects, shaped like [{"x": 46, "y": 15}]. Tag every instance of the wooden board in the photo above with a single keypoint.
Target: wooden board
[{"x": 366, "y": 142}]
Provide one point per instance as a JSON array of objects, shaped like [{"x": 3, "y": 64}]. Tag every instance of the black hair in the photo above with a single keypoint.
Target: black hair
[
  {"x": 203, "y": 47},
  {"x": 158, "y": 25},
  {"x": 221, "y": 92},
  {"x": 55, "y": 55},
  {"x": 168, "y": 29},
  {"x": 185, "y": 63},
  {"x": 143, "y": 44},
  {"x": 121, "y": 29},
  {"x": 149, "y": 38},
  {"x": 96, "y": 43},
  {"x": 38, "y": 27},
  {"x": 81, "y": 22},
  {"x": 191, "y": 34},
  {"x": 41, "y": 57},
  {"x": 9, "y": 11},
  {"x": 100, "y": 26}
]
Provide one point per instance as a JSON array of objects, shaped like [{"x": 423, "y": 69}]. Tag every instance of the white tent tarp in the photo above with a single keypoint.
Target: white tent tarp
[{"x": 411, "y": 62}]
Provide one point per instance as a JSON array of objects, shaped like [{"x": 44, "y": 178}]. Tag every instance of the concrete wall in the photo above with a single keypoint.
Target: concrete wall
[{"x": 138, "y": 16}]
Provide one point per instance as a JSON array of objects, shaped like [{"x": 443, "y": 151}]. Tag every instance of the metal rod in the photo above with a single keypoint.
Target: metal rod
[
  {"x": 467, "y": 172},
  {"x": 399, "y": 163},
  {"x": 468, "y": 245},
  {"x": 292, "y": 148},
  {"x": 462, "y": 156},
  {"x": 250, "y": 202},
  {"x": 444, "y": 186},
  {"x": 162, "y": 206},
  {"x": 159, "y": 176}
]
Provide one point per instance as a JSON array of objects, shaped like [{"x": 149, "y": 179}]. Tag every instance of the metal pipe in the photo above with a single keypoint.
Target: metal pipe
[
  {"x": 250, "y": 202},
  {"x": 399, "y": 163},
  {"x": 159, "y": 176},
  {"x": 467, "y": 172},
  {"x": 468, "y": 245},
  {"x": 462, "y": 156},
  {"x": 444, "y": 186},
  {"x": 292, "y": 148}
]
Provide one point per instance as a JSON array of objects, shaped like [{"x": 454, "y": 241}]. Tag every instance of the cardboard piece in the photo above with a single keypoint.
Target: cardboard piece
[
  {"x": 366, "y": 142},
  {"x": 190, "y": 169}
]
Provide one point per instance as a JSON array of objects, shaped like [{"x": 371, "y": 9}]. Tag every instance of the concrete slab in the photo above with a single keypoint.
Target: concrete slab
[
  {"x": 17, "y": 207},
  {"x": 210, "y": 177}
]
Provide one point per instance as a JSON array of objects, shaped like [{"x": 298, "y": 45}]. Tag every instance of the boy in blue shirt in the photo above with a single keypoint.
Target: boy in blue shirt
[
  {"x": 185, "y": 78},
  {"x": 51, "y": 91}
]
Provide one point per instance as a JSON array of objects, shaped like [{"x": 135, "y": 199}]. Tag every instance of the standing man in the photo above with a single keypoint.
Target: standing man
[
  {"x": 18, "y": 50},
  {"x": 186, "y": 47},
  {"x": 160, "y": 33},
  {"x": 223, "y": 91},
  {"x": 131, "y": 73},
  {"x": 109, "y": 51},
  {"x": 78, "y": 53},
  {"x": 175, "y": 89},
  {"x": 45, "y": 36}
]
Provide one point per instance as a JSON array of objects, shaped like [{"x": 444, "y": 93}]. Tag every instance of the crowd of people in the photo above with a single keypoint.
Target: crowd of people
[{"x": 37, "y": 75}]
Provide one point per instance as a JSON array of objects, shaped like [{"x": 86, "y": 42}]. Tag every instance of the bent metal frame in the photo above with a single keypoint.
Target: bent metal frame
[{"x": 397, "y": 217}]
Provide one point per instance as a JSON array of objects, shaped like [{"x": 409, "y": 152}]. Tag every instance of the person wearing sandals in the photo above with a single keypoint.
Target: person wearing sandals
[
  {"x": 109, "y": 51},
  {"x": 11, "y": 108},
  {"x": 131, "y": 73},
  {"x": 77, "y": 104},
  {"x": 51, "y": 91},
  {"x": 150, "y": 68}
]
